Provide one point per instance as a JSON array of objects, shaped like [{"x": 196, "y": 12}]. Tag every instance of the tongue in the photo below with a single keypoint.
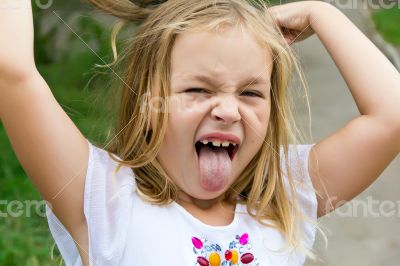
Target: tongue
[{"x": 215, "y": 168}]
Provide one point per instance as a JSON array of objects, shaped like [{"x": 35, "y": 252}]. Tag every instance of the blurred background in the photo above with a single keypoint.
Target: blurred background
[{"x": 71, "y": 39}]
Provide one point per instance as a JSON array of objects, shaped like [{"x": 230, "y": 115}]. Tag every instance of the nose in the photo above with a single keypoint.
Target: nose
[{"x": 226, "y": 109}]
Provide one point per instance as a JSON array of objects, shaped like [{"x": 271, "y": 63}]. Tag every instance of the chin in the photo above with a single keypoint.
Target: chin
[
  {"x": 207, "y": 194},
  {"x": 210, "y": 196},
  {"x": 201, "y": 194}
]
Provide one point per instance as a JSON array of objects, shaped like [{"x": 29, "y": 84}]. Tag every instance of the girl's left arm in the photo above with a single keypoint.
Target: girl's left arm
[{"x": 347, "y": 162}]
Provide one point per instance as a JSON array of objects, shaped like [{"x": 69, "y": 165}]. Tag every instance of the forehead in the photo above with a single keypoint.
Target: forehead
[{"x": 229, "y": 55}]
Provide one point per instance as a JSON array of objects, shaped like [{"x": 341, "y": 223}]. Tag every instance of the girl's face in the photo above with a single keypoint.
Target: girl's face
[{"x": 220, "y": 83}]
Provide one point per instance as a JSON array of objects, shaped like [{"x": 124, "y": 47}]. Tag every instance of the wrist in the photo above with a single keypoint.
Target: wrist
[{"x": 321, "y": 10}]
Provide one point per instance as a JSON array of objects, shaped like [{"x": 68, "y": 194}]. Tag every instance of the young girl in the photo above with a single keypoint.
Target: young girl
[{"x": 200, "y": 171}]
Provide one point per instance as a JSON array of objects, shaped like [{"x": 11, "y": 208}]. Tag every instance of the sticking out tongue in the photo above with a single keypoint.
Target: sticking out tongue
[{"x": 215, "y": 167}]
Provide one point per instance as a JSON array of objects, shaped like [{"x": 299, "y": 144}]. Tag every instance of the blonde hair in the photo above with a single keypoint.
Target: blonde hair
[{"x": 146, "y": 76}]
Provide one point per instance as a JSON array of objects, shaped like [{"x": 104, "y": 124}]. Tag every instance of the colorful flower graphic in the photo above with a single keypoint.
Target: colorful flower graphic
[{"x": 210, "y": 254}]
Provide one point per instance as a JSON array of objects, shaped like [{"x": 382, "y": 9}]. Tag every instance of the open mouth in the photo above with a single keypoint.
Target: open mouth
[{"x": 231, "y": 149}]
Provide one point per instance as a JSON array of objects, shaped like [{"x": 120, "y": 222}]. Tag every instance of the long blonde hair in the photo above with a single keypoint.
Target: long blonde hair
[{"x": 146, "y": 75}]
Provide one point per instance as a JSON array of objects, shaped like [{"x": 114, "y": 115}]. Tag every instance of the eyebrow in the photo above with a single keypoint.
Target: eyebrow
[{"x": 252, "y": 80}]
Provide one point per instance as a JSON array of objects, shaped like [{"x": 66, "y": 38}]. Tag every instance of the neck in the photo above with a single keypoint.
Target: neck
[
  {"x": 213, "y": 212},
  {"x": 187, "y": 200}
]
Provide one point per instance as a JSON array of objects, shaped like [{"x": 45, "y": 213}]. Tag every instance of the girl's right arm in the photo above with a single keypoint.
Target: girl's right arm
[{"x": 51, "y": 149}]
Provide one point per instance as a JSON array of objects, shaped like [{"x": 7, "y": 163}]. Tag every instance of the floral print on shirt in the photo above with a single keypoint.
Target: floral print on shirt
[{"x": 211, "y": 254}]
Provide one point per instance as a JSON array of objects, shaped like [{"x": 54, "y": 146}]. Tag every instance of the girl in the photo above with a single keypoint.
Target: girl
[{"x": 200, "y": 171}]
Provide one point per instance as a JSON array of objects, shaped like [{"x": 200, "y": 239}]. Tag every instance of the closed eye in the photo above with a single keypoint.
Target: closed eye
[
  {"x": 196, "y": 90},
  {"x": 252, "y": 94},
  {"x": 244, "y": 93}
]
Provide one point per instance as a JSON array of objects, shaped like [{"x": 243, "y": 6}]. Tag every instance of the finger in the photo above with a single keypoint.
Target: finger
[{"x": 274, "y": 12}]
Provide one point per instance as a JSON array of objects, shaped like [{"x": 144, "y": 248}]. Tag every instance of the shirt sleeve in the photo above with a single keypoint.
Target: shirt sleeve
[
  {"x": 298, "y": 157},
  {"x": 63, "y": 239},
  {"x": 107, "y": 209}
]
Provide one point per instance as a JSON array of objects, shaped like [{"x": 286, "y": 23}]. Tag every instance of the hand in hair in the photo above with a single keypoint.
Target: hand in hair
[{"x": 294, "y": 19}]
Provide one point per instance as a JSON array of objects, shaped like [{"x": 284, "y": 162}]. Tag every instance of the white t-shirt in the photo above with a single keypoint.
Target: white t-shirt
[{"x": 125, "y": 230}]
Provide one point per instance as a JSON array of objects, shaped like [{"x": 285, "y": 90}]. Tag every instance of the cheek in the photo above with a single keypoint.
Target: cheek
[
  {"x": 257, "y": 115},
  {"x": 183, "y": 118},
  {"x": 265, "y": 110},
  {"x": 256, "y": 120},
  {"x": 184, "y": 105}
]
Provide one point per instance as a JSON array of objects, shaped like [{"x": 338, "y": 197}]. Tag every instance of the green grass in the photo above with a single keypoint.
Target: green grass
[{"x": 387, "y": 22}]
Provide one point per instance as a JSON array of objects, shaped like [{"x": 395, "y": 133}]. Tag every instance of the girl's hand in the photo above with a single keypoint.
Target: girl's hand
[
  {"x": 16, "y": 39},
  {"x": 294, "y": 19}
]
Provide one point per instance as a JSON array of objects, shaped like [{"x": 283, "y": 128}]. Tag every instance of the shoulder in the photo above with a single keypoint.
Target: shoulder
[
  {"x": 105, "y": 165},
  {"x": 108, "y": 204},
  {"x": 305, "y": 195},
  {"x": 296, "y": 161},
  {"x": 107, "y": 181}
]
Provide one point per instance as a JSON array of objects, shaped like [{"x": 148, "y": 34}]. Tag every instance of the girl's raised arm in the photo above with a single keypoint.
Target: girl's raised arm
[
  {"x": 48, "y": 145},
  {"x": 349, "y": 160}
]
